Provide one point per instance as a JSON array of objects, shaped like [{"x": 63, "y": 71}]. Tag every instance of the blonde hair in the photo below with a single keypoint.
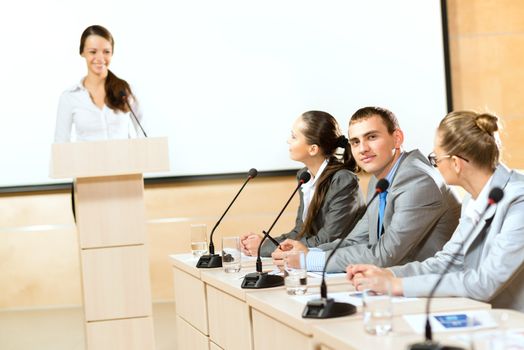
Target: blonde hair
[{"x": 471, "y": 135}]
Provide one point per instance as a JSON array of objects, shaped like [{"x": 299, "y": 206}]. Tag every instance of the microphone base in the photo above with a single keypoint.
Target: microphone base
[
  {"x": 209, "y": 261},
  {"x": 327, "y": 308},
  {"x": 259, "y": 280},
  {"x": 431, "y": 345}
]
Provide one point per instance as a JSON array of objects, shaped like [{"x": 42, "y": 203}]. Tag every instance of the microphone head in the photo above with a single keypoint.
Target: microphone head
[
  {"x": 382, "y": 185},
  {"x": 495, "y": 195},
  {"x": 252, "y": 173},
  {"x": 122, "y": 94},
  {"x": 304, "y": 177}
]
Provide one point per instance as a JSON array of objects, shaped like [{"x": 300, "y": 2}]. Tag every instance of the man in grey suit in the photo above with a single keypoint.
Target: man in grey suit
[
  {"x": 485, "y": 254},
  {"x": 412, "y": 221}
]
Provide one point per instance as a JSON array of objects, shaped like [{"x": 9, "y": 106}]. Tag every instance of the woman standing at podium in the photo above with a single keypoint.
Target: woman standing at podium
[
  {"x": 98, "y": 106},
  {"x": 329, "y": 202},
  {"x": 486, "y": 249}
]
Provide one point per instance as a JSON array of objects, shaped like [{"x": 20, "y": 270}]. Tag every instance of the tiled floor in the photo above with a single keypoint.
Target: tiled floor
[{"x": 63, "y": 328}]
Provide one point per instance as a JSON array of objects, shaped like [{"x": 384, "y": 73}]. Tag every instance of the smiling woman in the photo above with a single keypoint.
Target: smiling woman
[{"x": 96, "y": 107}]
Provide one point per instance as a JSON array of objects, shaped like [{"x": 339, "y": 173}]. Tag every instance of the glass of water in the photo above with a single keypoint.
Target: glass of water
[
  {"x": 296, "y": 273},
  {"x": 378, "y": 311},
  {"x": 198, "y": 239},
  {"x": 231, "y": 254}
]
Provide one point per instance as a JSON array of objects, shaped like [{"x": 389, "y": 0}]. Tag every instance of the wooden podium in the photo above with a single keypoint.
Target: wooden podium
[{"x": 110, "y": 219}]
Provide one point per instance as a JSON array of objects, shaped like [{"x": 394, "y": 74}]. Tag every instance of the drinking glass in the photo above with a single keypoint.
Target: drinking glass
[
  {"x": 378, "y": 310},
  {"x": 296, "y": 273},
  {"x": 231, "y": 254},
  {"x": 198, "y": 239}
]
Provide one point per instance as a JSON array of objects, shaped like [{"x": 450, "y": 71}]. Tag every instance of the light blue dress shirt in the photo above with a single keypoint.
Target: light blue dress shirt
[{"x": 316, "y": 258}]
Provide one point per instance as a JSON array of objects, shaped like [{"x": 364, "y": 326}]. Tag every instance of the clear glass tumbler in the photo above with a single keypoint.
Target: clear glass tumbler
[
  {"x": 296, "y": 273},
  {"x": 231, "y": 254},
  {"x": 198, "y": 239},
  {"x": 378, "y": 311}
]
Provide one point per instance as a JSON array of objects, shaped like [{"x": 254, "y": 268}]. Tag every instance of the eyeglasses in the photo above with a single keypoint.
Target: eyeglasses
[{"x": 433, "y": 158}]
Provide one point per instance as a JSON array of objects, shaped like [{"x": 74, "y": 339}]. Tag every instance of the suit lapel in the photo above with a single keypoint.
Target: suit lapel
[
  {"x": 481, "y": 225},
  {"x": 500, "y": 179},
  {"x": 373, "y": 221}
]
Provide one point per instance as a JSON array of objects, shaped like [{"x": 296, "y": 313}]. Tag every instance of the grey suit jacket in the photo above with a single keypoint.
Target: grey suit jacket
[
  {"x": 421, "y": 214},
  {"x": 490, "y": 266},
  {"x": 339, "y": 210}
]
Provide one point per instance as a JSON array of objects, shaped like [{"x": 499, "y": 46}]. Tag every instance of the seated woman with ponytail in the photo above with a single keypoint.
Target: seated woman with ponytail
[
  {"x": 329, "y": 202},
  {"x": 97, "y": 106}
]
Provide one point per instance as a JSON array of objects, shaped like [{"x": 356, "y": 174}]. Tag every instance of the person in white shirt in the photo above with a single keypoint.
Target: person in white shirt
[
  {"x": 96, "y": 107},
  {"x": 330, "y": 201},
  {"x": 485, "y": 253}
]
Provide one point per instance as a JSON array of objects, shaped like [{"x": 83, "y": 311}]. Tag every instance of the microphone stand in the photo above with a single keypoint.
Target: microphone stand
[
  {"x": 124, "y": 97},
  {"x": 327, "y": 307},
  {"x": 259, "y": 279},
  {"x": 495, "y": 195},
  {"x": 213, "y": 260}
]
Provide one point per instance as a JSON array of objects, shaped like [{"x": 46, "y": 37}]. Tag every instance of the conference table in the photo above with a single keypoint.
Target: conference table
[
  {"x": 214, "y": 312},
  {"x": 211, "y": 307},
  {"x": 350, "y": 336}
]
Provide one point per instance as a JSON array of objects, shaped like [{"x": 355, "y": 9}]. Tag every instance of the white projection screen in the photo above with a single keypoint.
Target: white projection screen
[{"x": 223, "y": 80}]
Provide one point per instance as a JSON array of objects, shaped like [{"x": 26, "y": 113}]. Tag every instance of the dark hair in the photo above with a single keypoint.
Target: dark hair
[
  {"x": 322, "y": 129},
  {"x": 471, "y": 135},
  {"x": 114, "y": 86},
  {"x": 389, "y": 119}
]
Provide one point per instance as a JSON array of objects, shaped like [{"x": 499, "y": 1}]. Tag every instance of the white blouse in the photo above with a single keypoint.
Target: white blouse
[
  {"x": 76, "y": 109},
  {"x": 308, "y": 189}
]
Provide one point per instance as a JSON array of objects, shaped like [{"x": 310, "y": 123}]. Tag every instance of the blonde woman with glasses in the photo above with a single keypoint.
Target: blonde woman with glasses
[{"x": 485, "y": 254}]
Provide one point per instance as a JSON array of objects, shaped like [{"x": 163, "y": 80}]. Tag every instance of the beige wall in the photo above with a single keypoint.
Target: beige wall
[
  {"x": 38, "y": 246},
  {"x": 487, "y": 47}
]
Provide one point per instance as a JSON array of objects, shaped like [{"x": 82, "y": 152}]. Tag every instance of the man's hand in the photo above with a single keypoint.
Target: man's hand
[{"x": 280, "y": 253}]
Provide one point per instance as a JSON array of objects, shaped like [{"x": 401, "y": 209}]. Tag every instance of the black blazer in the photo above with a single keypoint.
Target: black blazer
[{"x": 338, "y": 211}]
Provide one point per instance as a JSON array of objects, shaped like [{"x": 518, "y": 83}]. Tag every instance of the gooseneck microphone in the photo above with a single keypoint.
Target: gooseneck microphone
[
  {"x": 495, "y": 195},
  {"x": 123, "y": 96},
  {"x": 261, "y": 279},
  {"x": 327, "y": 307},
  {"x": 214, "y": 260}
]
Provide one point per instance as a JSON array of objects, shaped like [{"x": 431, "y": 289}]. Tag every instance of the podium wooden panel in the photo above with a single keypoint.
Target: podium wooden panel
[
  {"x": 116, "y": 283},
  {"x": 117, "y": 203},
  {"x": 126, "y": 334},
  {"x": 110, "y": 217}
]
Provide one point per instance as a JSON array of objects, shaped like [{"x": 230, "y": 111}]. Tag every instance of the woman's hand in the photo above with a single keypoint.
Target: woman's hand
[
  {"x": 364, "y": 277},
  {"x": 249, "y": 243}
]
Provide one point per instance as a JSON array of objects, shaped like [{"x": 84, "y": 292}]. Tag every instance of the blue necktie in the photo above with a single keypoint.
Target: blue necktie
[{"x": 381, "y": 209}]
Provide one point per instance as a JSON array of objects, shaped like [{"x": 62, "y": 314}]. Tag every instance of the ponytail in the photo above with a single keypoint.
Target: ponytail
[
  {"x": 322, "y": 187},
  {"x": 115, "y": 87}
]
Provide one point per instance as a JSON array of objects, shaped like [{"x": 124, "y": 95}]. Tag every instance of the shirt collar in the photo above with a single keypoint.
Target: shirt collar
[
  {"x": 78, "y": 86},
  {"x": 476, "y": 206},
  {"x": 393, "y": 170},
  {"x": 311, "y": 183}
]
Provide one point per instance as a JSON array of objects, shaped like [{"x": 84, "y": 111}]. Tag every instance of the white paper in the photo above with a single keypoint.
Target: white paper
[
  {"x": 328, "y": 275},
  {"x": 452, "y": 321},
  {"x": 248, "y": 258},
  {"x": 502, "y": 339},
  {"x": 354, "y": 298}
]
